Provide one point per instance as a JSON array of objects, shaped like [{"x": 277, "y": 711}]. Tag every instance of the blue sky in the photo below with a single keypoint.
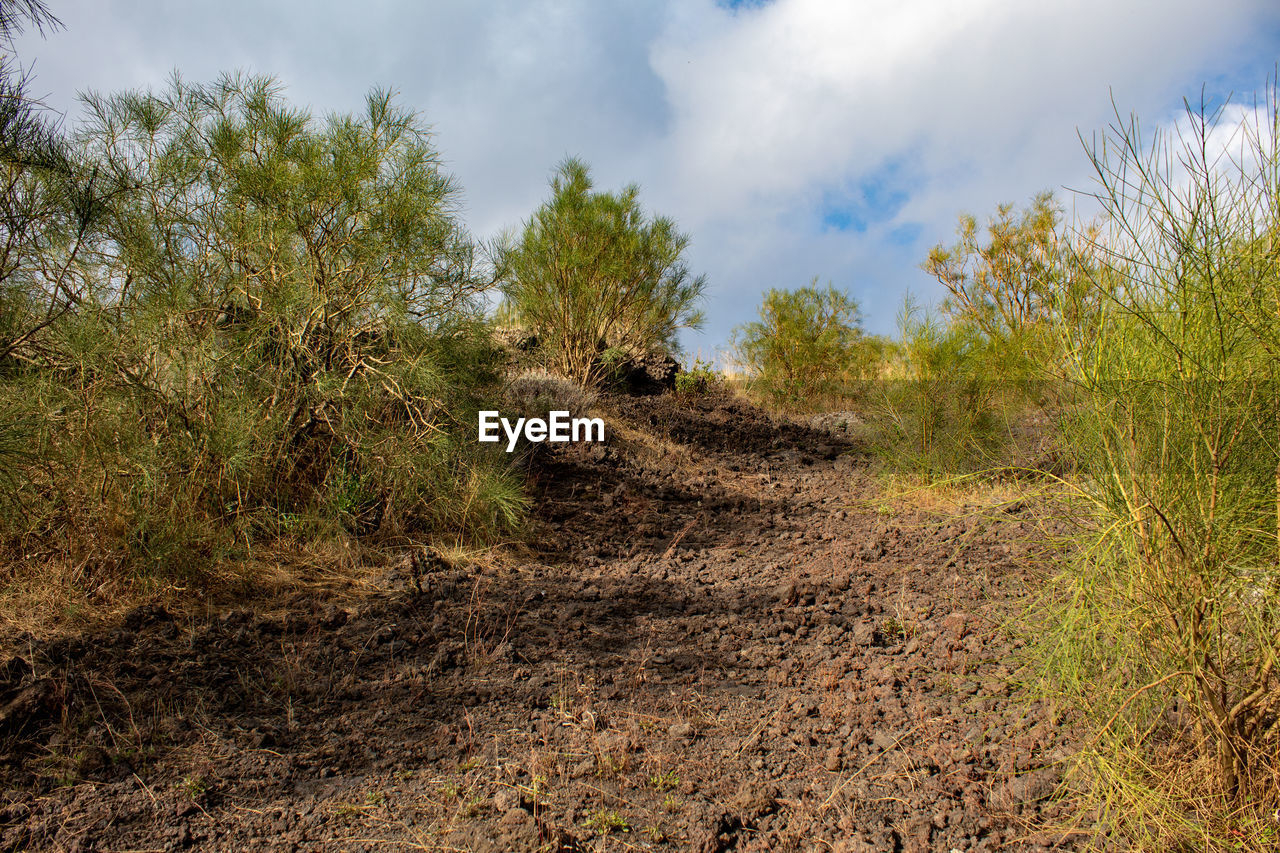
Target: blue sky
[{"x": 790, "y": 139}]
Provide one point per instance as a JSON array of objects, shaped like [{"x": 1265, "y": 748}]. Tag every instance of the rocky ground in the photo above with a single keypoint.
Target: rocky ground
[{"x": 722, "y": 636}]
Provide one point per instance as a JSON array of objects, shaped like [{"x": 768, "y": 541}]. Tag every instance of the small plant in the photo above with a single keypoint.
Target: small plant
[
  {"x": 347, "y": 811},
  {"x": 562, "y": 701},
  {"x": 536, "y": 790},
  {"x": 194, "y": 787},
  {"x": 606, "y": 822},
  {"x": 609, "y": 765},
  {"x": 672, "y": 804},
  {"x": 656, "y": 835},
  {"x": 472, "y": 806},
  {"x": 698, "y": 378},
  {"x": 895, "y": 628},
  {"x": 665, "y": 781}
]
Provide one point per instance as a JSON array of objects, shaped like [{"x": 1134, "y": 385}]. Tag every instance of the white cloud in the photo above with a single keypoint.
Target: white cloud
[
  {"x": 981, "y": 101},
  {"x": 806, "y": 92},
  {"x": 740, "y": 125}
]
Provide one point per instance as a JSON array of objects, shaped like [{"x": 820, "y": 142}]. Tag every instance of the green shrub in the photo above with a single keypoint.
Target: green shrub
[
  {"x": 592, "y": 275},
  {"x": 699, "y": 377},
  {"x": 965, "y": 387},
  {"x": 806, "y": 344},
  {"x": 275, "y": 332},
  {"x": 947, "y": 404},
  {"x": 1166, "y": 625}
]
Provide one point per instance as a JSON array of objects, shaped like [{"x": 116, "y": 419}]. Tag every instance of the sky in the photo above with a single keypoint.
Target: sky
[{"x": 790, "y": 139}]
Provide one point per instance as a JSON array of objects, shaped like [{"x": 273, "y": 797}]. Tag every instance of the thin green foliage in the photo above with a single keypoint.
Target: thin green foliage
[
  {"x": 1166, "y": 627},
  {"x": 966, "y": 389},
  {"x": 950, "y": 401},
  {"x": 807, "y": 345},
  {"x": 597, "y": 280},
  {"x": 274, "y": 330}
]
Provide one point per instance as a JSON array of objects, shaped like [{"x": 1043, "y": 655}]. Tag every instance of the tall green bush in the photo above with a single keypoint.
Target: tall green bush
[
  {"x": 274, "y": 332},
  {"x": 1167, "y": 627},
  {"x": 807, "y": 343},
  {"x": 592, "y": 273}
]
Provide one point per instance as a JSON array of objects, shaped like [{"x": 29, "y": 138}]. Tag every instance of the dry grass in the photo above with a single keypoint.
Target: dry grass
[
  {"x": 48, "y": 598},
  {"x": 954, "y": 497},
  {"x": 651, "y": 450},
  {"x": 1180, "y": 786},
  {"x": 537, "y": 392}
]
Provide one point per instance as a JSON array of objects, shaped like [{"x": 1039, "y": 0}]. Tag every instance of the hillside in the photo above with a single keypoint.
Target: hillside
[{"x": 722, "y": 635}]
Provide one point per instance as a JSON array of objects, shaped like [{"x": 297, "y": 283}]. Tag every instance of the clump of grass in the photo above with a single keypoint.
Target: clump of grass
[
  {"x": 606, "y": 822},
  {"x": 194, "y": 786},
  {"x": 537, "y": 392},
  {"x": 665, "y": 781}
]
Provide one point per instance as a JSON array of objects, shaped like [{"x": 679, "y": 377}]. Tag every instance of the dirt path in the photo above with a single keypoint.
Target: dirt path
[{"x": 718, "y": 644}]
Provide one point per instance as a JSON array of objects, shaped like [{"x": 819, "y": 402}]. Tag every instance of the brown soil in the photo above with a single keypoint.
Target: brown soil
[{"x": 723, "y": 638}]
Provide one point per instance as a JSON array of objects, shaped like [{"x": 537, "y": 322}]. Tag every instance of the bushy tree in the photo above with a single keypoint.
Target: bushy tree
[
  {"x": 1015, "y": 282},
  {"x": 591, "y": 272},
  {"x": 48, "y": 202},
  {"x": 806, "y": 341},
  {"x": 270, "y": 335},
  {"x": 1003, "y": 283}
]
